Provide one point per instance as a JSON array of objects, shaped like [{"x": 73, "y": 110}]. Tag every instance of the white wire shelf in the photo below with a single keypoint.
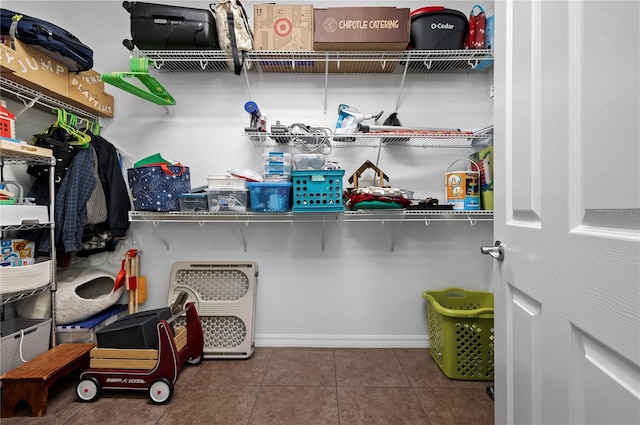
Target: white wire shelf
[
  {"x": 463, "y": 139},
  {"x": 10, "y": 158},
  {"x": 30, "y": 98},
  {"x": 243, "y": 219},
  {"x": 15, "y": 296},
  {"x": 380, "y": 215},
  {"x": 321, "y": 62}
]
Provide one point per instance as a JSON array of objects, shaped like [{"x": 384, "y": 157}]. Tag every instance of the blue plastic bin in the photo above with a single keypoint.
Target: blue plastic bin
[{"x": 270, "y": 196}]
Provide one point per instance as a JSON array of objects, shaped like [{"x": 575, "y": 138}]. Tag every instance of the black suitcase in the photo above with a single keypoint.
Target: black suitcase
[
  {"x": 165, "y": 27},
  {"x": 48, "y": 38}
]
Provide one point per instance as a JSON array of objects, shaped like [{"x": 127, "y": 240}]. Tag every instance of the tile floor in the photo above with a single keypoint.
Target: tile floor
[{"x": 289, "y": 386}]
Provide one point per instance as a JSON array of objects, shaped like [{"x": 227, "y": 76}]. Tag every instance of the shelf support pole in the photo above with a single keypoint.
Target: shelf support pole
[
  {"x": 394, "y": 234},
  {"x": 404, "y": 74},
  {"x": 244, "y": 240},
  {"x": 154, "y": 226},
  {"x": 326, "y": 80},
  {"x": 246, "y": 77}
]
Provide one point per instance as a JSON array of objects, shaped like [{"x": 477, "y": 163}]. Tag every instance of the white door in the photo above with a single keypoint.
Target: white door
[{"x": 567, "y": 208}]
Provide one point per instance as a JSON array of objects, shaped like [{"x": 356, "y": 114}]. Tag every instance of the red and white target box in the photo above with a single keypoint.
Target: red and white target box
[{"x": 283, "y": 27}]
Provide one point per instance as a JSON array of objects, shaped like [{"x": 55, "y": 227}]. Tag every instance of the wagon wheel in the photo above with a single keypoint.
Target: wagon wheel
[
  {"x": 195, "y": 361},
  {"x": 88, "y": 389},
  {"x": 160, "y": 391}
]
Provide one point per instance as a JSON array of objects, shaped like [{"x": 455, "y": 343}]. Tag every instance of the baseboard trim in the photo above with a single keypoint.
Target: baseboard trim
[{"x": 341, "y": 341}]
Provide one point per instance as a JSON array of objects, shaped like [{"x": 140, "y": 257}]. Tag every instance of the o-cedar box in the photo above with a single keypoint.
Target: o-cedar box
[
  {"x": 283, "y": 27},
  {"x": 361, "y": 28}
]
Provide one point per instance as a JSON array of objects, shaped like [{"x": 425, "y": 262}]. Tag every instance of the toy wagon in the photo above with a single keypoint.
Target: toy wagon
[{"x": 155, "y": 371}]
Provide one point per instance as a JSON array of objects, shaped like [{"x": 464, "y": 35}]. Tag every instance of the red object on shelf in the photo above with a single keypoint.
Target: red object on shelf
[{"x": 7, "y": 123}]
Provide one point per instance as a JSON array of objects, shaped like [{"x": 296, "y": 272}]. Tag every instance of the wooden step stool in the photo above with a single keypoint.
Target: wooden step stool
[{"x": 31, "y": 380}]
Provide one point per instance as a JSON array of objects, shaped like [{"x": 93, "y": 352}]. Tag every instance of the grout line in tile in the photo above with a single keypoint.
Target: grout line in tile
[
  {"x": 406, "y": 375},
  {"x": 253, "y": 406},
  {"x": 266, "y": 367}
]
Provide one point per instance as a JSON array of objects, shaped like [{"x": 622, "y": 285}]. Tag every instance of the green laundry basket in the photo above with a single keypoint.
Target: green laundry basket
[{"x": 461, "y": 332}]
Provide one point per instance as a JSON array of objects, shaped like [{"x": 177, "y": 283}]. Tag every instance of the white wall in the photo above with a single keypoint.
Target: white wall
[{"x": 356, "y": 292}]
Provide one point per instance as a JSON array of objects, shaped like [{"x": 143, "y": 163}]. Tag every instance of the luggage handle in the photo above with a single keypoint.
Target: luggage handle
[
  {"x": 234, "y": 46},
  {"x": 164, "y": 20},
  {"x": 237, "y": 63}
]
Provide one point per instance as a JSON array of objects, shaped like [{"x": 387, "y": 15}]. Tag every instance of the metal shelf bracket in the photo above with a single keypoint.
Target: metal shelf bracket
[
  {"x": 28, "y": 105},
  {"x": 394, "y": 235},
  {"x": 244, "y": 240},
  {"x": 154, "y": 229}
]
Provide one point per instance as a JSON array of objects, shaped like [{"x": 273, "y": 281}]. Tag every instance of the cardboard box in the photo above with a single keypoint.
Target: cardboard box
[
  {"x": 286, "y": 28},
  {"x": 18, "y": 263},
  {"x": 86, "y": 91},
  {"x": 283, "y": 27},
  {"x": 15, "y": 249},
  {"x": 361, "y": 28},
  {"x": 31, "y": 68}
]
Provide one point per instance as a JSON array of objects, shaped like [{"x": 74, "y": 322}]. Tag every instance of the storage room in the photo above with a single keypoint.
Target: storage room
[{"x": 316, "y": 171}]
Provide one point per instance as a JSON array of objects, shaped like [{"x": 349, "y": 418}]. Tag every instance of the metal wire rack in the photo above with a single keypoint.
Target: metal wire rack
[
  {"x": 463, "y": 139},
  {"x": 321, "y": 62},
  {"x": 291, "y": 217},
  {"x": 30, "y": 98}
]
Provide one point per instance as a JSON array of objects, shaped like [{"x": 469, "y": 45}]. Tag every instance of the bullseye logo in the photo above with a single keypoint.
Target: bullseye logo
[
  {"x": 282, "y": 27},
  {"x": 330, "y": 25}
]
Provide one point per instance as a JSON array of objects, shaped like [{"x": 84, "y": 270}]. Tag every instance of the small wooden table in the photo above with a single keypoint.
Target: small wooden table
[{"x": 31, "y": 381}]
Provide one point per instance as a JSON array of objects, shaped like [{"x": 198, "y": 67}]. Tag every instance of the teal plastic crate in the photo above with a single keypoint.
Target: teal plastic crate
[{"x": 317, "y": 190}]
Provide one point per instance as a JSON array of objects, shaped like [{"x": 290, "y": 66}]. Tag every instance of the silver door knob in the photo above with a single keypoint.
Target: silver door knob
[{"x": 496, "y": 251}]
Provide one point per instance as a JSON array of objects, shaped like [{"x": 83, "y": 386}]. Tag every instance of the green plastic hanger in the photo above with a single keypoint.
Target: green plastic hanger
[
  {"x": 66, "y": 121},
  {"x": 89, "y": 125},
  {"x": 83, "y": 139},
  {"x": 140, "y": 70}
]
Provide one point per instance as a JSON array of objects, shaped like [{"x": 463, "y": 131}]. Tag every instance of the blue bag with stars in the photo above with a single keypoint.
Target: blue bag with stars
[{"x": 156, "y": 187}]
